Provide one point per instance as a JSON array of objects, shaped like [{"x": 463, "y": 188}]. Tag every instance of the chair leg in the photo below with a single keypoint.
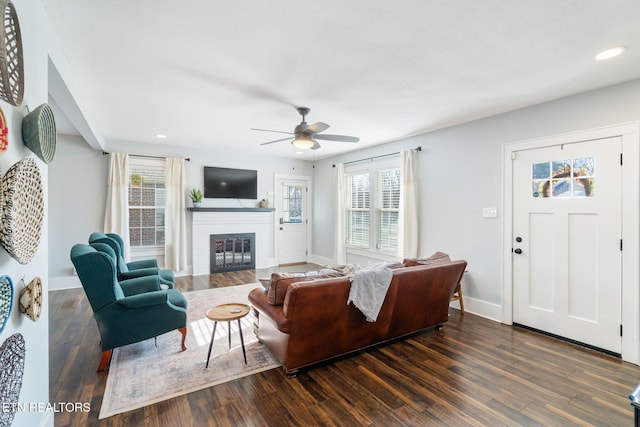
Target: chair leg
[
  {"x": 457, "y": 296},
  {"x": 183, "y": 331},
  {"x": 104, "y": 360}
]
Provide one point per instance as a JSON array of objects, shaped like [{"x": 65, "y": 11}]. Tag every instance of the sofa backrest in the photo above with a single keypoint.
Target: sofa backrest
[
  {"x": 423, "y": 295},
  {"x": 411, "y": 289}
]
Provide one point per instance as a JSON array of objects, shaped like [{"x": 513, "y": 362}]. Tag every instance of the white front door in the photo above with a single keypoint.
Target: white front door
[
  {"x": 293, "y": 220},
  {"x": 567, "y": 262}
]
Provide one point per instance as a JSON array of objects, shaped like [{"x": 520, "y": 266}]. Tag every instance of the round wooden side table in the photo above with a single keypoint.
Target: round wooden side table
[{"x": 227, "y": 313}]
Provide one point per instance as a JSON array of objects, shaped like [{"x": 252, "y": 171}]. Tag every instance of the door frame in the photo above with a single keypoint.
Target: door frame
[
  {"x": 630, "y": 304},
  {"x": 278, "y": 214}
]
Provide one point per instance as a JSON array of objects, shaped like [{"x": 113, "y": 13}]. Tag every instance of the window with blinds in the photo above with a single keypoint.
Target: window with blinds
[
  {"x": 358, "y": 208},
  {"x": 146, "y": 202},
  {"x": 373, "y": 209},
  {"x": 388, "y": 209}
]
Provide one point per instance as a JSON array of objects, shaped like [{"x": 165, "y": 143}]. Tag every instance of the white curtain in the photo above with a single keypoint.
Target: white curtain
[
  {"x": 175, "y": 236},
  {"x": 116, "y": 217},
  {"x": 409, "y": 203},
  {"x": 340, "y": 249}
]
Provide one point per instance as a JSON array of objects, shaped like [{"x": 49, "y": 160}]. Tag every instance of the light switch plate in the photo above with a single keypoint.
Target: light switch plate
[{"x": 490, "y": 212}]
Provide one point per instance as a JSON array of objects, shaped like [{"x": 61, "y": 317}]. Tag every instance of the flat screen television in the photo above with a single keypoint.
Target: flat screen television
[{"x": 225, "y": 183}]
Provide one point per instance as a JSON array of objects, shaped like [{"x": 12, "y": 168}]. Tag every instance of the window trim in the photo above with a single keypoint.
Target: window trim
[
  {"x": 151, "y": 163},
  {"x": 349, "y": 209},
  {"x": 374, "y": 208}
]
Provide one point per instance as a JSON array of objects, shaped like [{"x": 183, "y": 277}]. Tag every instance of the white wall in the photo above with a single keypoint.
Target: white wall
[
  {"x": 460, "y": 173},
  {"x": 81, "y": 170},
  {"x": 35, "y": 382},
  {"x": 77, "y": 191}
]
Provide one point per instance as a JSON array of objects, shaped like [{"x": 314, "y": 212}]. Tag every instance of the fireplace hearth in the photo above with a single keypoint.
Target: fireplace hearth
[{"x": 232, "y": 252}]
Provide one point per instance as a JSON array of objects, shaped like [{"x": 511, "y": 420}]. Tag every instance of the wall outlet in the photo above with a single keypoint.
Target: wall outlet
[{"x": 490, "y": 212}]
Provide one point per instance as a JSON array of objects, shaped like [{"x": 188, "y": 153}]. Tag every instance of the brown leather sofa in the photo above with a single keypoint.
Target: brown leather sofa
[{"x": 314, "y": 323}]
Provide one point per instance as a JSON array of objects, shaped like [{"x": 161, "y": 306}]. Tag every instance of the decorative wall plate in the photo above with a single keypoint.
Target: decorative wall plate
[
  {"x": 11, "y": 64},
  {"x": 39, "y": 132},
  {"x": 12, "y": 355},
  {"x": 4, "y": 133},
  {"x": 6, "y": 300},
  {"x": 30, "y": 301},
  {"x": 23, "y": 210}
]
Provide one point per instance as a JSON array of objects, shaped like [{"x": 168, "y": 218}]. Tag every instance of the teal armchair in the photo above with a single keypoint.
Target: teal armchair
[
  {"x": 129, "y": 270},
  {"x": 129, "y": 311}
]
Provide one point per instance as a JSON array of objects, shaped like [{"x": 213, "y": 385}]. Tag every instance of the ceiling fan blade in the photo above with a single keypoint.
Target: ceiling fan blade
[
  {"x": 341, "y": 138},
  {"x": 315, "y": 145},
  {"x": 277, "y": 140},
  {"x": 270, "y": 130},
  {"x": 315, "y": 128}
]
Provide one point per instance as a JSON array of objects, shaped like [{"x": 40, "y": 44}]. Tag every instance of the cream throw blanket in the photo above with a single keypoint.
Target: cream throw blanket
[{"x": 369, "y": 287}]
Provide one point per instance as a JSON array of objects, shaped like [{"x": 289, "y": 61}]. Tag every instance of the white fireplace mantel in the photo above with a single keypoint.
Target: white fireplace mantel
[{"x": 208, "y": 221}]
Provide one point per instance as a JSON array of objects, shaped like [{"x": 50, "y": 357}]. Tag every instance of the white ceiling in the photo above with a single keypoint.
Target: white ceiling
[{"x": 205, "y": 72}]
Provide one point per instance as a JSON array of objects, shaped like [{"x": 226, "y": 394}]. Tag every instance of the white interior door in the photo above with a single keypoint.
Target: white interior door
[
  {"x": 567, "y": 268},
  {"x": 293, "y": 221}
]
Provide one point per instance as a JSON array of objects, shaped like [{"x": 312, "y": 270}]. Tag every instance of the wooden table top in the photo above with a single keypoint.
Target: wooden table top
[{"x": 228, "y": 312}]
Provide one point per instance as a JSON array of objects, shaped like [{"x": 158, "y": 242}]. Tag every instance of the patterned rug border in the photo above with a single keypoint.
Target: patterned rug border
[{"x": 105, "y": 409}]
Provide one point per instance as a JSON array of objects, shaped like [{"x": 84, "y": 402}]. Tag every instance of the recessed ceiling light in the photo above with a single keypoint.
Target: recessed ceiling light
[
  {"x": 610, "y": 53},
  {"x": 161, "y": 136}
]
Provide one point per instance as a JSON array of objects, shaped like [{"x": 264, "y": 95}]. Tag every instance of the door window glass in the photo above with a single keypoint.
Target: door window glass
[
  {"x": 292, "y": 203},
  {"x": 571, "y": 178}
]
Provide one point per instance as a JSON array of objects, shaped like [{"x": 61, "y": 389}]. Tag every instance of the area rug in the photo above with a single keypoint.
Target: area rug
[{"x": 145, "y": 373}]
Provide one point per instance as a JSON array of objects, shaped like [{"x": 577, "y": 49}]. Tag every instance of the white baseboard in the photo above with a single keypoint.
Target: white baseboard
[
  {"x": 317, "y": 259},
  {"x": 480, "y": 308},
  {"x": 65, "y": 282}
]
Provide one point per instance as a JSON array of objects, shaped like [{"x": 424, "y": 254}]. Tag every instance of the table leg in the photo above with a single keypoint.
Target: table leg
[
  {"x": 213, "y": 334},
  {"x": 244, "y": 353}
]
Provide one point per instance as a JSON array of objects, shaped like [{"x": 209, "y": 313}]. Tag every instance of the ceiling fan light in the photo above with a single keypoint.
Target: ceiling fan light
[
  {"x": 303, "y": 142},
  {"x": 610, "y": 53}
]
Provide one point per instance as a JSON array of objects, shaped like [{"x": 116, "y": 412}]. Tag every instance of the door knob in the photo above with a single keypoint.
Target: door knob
[
  {"x": 518, "y": 239},
  {"x": 518, "y": 251}
]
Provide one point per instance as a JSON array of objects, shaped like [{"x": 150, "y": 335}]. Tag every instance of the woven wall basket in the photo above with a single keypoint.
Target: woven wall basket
[
  {"x": 12, "y": 356},
  {"x": 4, "y": 133},
  {"x": 39, "y": 132},
  {"x": 31, "y": 299},
  {"x": 23, "y": 210},
  {"x": 11, "y": 64},
  {"x": 6, "y": 300}
]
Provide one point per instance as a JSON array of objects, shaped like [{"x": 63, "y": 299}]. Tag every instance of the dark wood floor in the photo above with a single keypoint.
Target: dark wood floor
[{"x": 473, "y": 372}]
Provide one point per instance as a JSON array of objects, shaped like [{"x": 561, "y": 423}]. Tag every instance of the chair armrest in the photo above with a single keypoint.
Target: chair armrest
[
  {"x": 138, "y": 273},
  {"x": 140, "y": 285},
  {"x": 143, "y": 263},
  {"x": 144, "y": 300}
]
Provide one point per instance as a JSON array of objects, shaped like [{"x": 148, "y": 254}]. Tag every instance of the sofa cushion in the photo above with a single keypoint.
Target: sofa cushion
[
  {"x": 265, "y": 281},
  {"x": 436, "y": 258},
  {"x": 279, "y": 282}
]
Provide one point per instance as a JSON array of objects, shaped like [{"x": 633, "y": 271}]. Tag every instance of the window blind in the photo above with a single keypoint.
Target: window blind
[
  {"x": 388, "y": 208},
  {"x": 146, "y": 202},
  {"x": 358, "y": 210}
]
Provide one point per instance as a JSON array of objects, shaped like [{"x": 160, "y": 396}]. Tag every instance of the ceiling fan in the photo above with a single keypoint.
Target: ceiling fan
[{"x": 304, "y": 136}]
